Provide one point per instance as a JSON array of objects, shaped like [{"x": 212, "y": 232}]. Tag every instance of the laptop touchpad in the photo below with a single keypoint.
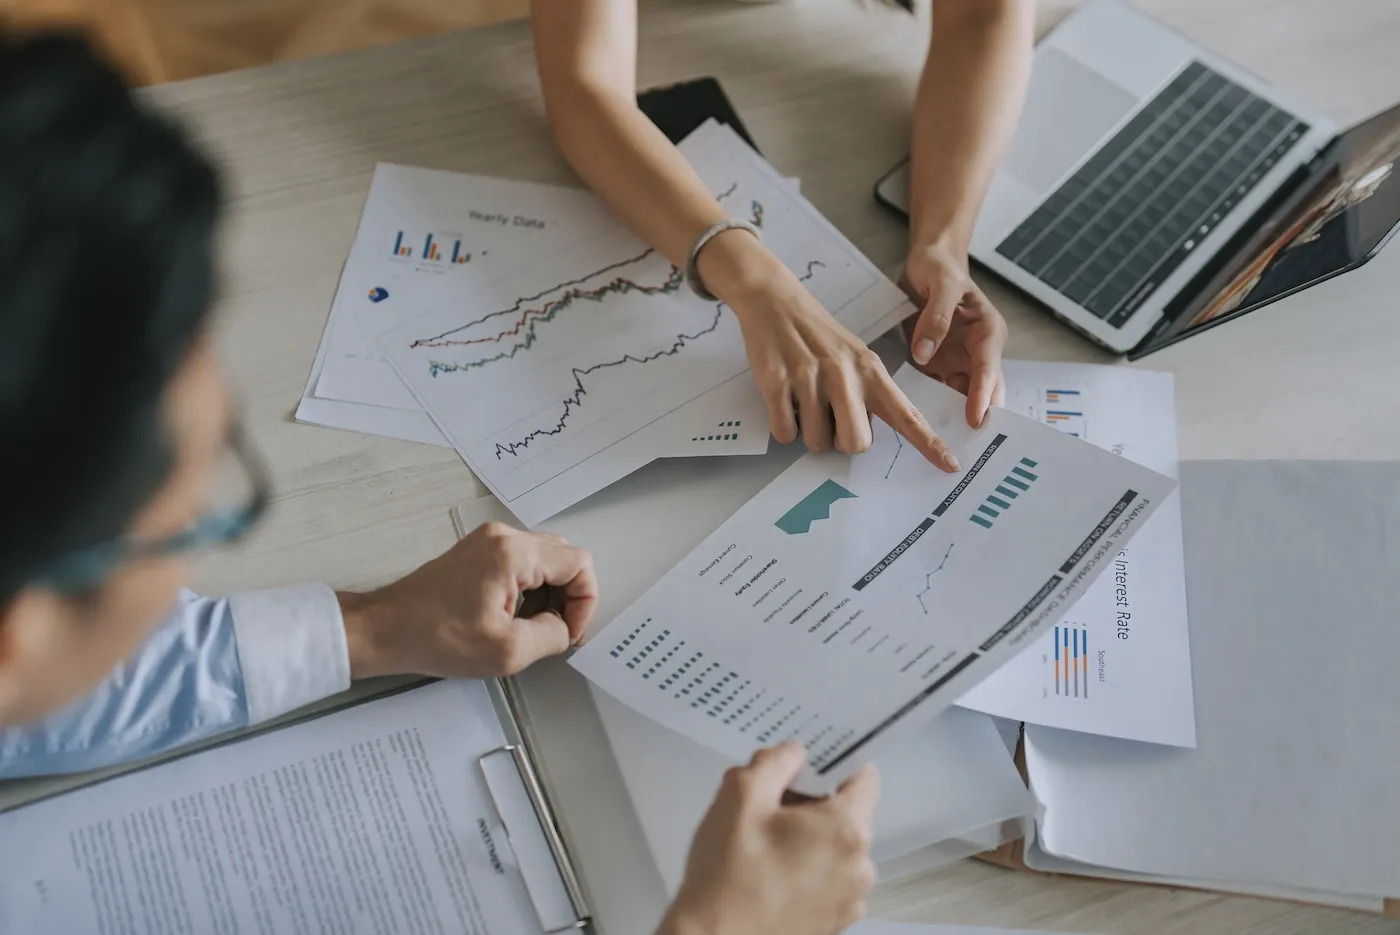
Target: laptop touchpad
[{"x": 1069, "y": 109}]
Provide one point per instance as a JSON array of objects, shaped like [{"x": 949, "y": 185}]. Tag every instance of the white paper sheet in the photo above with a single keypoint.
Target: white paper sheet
[
  {"x": 1293, "y": 579},
  {"x": 1037, "y": 859},
  {"x": 352, "y": 387},
  {"x": 1120, "y": 664},
  {"x": 582, "y": 353},
  {"x": 728, "y": 420},
  {"x": 476, "y": 228},
  {"x": 851, "y": 591},
  {"x": 953, "y": 779},
  {"x": 376, "y": 818}
]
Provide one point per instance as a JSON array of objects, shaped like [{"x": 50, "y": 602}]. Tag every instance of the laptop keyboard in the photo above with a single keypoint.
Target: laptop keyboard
[{"x": 1132, "y": 213}]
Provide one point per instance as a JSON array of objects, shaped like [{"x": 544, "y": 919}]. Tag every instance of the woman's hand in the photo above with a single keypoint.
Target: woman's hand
[
  {"x": 820, "y": 381},
  {"x": 958, "y": 336}
]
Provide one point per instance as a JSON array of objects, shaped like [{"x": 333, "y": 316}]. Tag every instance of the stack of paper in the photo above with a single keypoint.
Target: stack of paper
[
  {"x": 854, "y": 590},
  {"x": 1294, "y": 788},
  {"x": 528, "y": 329}
]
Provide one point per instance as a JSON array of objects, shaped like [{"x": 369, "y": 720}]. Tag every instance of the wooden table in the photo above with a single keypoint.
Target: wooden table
[{"x": 826, "y": 86}]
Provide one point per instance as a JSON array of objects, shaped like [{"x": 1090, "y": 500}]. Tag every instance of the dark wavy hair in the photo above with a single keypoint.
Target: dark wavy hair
[{"x": 107, "y": 217}]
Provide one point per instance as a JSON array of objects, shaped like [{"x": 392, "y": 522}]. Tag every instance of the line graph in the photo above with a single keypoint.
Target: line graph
[
  {"x": 899, "y": 440},
  {"x": 618, "y": 286},
  {"x": 928, "y": 579},
  {"x": 530, "y": 316},
  {"x": 442, "y": 340},
  {"x": 574, "y": 400}
]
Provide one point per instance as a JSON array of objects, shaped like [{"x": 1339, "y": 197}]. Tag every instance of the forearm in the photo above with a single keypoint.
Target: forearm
[
  {"x": 216, "y": 665},
  {"x": 587, "y": 58},
  {"x": 632, "y": 166},
  {"x": 968, "y": 100}
]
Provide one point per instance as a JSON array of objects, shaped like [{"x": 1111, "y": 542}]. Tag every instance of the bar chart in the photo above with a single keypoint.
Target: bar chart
[
  {"x": 1064, "y": 412},
  {"x": 1070, "y": 661},
  {"x": 439, "y": 248},
  {"x": 1012, "y": 486}
]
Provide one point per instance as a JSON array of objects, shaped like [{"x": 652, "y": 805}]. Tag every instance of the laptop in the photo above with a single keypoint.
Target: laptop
[{"x": 1153, "y": 189}]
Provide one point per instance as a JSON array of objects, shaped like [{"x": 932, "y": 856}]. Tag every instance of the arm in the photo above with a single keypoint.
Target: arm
[
  {"x": 215, "y": 665},
  {"x": 968, "y": 101},
  {"x": 220, "y": 664},
  {"x": 817, "y": 378}
]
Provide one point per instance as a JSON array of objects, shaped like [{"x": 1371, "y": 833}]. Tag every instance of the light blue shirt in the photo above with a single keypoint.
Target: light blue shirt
[{"x": 215, "y": 665}]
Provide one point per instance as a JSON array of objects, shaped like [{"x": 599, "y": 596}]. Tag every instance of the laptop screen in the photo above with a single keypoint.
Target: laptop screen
[{"x": 1339, "y": 218}]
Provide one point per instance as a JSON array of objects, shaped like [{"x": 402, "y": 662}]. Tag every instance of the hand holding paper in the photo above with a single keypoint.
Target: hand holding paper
[{"x": 761, "y": 865}]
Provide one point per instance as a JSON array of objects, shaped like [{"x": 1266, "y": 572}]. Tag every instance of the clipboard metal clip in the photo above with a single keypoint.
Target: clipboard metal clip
[{"x": 544, "y": 812}]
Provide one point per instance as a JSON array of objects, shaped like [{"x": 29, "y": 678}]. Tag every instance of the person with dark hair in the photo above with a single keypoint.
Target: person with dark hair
[
  {"x": 820, "y": 382},
  {"x": 122, "y": 457}
]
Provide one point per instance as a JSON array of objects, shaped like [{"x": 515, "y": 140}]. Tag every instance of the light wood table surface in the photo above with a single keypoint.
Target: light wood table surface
[{"x": 826, "y": 87}]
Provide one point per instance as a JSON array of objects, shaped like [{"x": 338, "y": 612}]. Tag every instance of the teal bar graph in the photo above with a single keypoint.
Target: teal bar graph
[{"x": 1011, "y": 486}]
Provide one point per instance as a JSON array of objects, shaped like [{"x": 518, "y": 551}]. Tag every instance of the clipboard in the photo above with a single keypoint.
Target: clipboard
[{"x": 521, "y": 750}]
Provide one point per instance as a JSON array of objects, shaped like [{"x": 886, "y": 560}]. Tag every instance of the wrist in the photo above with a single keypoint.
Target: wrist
[
  {"x": 946, "y": 248},
  {"x": 942, "y": 233},
  {"x": 735, "y": 265},
  {"x": 367, "y": 621}
]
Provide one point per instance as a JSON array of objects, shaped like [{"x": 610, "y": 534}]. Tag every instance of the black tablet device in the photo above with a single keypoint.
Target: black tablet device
[{"x": 679, "y": 109}]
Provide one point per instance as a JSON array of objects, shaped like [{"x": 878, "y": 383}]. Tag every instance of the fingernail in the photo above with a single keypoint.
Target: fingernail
[
  {"x": 923, "y": 351},
  {"x": 953, "y": 463}
]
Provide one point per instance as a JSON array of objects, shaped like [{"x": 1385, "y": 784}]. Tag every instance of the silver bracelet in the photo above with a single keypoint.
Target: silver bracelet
[{"x": 692, "y": 273}]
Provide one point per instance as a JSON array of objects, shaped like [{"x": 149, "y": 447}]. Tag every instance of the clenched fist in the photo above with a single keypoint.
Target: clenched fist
[{"x": 456, "y": 616}]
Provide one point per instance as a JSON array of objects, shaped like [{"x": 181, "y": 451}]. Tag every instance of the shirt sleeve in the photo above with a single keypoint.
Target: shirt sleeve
[{"x": 215, "y": 665}]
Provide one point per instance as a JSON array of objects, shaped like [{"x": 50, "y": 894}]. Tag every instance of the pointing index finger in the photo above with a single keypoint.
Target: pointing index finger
[{"x": 894, "y": 408}]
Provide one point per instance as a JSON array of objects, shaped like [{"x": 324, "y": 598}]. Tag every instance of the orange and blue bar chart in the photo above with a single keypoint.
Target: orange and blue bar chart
[
  {"x": 432, "y": 249},
  {"x": 1062, "y": 411},
  {"x": 1071, "y": 662}
]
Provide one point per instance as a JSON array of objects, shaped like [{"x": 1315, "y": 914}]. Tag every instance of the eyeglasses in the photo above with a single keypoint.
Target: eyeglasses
[{"x": 241, "y": 492}]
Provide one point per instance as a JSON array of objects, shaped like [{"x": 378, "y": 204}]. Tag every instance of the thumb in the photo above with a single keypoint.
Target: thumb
[
  {"x": 859, "y": 795},
  {"x": 538, "y": 637},
  {"x": 944, "y": 294},
  {"x": 771, "y": 771}
]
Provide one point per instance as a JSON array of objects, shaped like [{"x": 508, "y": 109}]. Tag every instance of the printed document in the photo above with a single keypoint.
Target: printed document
[
  {"x": 537, "y": 378},
  {"x": 422, "y": 226},
  {"x": 376, "y": 818},
  {"x": 852, "y": 590},
  {"x": 1119, "y": 665}
]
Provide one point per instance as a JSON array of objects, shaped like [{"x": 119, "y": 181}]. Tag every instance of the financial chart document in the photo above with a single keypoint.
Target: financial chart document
[
  {"x": 1119, "y": 664},
  {"x": 424, "y": 228},
  {"x": 853, "y": 590},
  {"x": 538, "y": 378}
]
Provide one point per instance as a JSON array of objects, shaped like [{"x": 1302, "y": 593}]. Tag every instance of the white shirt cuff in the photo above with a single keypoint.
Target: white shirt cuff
[{"x": 291, "y": 648}]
